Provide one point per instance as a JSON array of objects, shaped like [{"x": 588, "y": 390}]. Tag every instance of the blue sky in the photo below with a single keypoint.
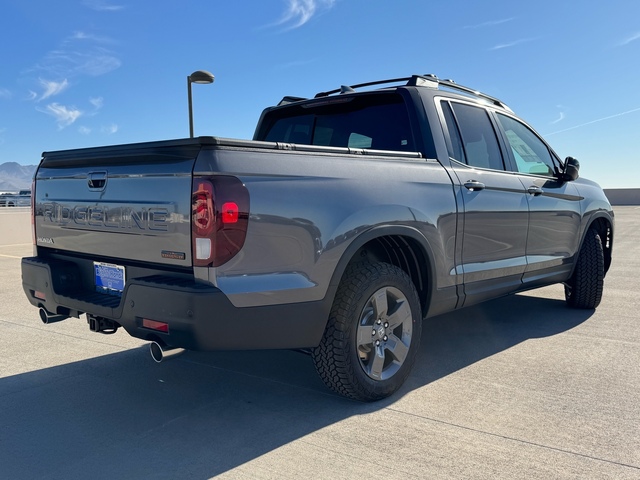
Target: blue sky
[{"x": 78, "y": 73}]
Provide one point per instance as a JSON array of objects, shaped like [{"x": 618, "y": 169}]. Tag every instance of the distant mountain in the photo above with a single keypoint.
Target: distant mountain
[{"x": 14, "y": 176}]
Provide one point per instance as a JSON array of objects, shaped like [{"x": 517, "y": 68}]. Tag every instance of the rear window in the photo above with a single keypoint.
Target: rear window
[{"x": 356, "y": 122}]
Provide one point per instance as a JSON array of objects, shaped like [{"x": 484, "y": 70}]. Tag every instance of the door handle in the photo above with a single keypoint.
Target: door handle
[
  {"x": 474, "y": 185},
  {"x": 534, "y": 190}
]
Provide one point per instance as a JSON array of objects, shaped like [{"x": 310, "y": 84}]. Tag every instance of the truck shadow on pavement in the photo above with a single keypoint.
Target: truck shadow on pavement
[
  {"x": 454, "y": 341},
  {"x": 203, "y": 414}
]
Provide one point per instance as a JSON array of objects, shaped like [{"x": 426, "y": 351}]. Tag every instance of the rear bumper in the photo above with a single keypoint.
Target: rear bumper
[{"x": 200, "y": 316}]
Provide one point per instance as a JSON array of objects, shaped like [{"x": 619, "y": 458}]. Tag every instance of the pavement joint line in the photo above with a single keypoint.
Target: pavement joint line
[
  {"x": 518, "y": 440},
  {"x": 16, "y": 245},
  {"x": 53, "y": 332},
  {"x": 9, "y": 256},
  {"x": 357, "y": 457}
]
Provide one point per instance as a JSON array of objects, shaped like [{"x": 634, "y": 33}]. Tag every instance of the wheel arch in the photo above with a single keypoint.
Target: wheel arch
[
  {"x": 604, "y": 226},
  {"x": 402, "y": 246}
]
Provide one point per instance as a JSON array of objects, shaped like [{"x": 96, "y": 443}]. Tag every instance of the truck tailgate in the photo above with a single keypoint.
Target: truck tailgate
[{"x": 130, "y": 202}]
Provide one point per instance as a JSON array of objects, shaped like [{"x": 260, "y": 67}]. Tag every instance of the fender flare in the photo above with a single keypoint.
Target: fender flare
[
  {"x": 608, "y": 251},
  {"x": 385, "y": 231}
]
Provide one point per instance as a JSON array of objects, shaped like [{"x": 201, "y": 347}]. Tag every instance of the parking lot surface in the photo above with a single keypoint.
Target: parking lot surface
[{"x": 520, "y": 387}]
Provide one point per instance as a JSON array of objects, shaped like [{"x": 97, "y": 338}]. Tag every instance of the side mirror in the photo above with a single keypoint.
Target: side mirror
[{"x": 571, "y": 168}]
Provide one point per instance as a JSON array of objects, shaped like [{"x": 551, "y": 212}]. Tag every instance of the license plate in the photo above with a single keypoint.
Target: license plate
[{"x": 109, "y": 278}]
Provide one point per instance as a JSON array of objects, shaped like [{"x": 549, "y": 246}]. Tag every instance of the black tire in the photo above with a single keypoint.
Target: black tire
[
  {"x": 373, "y": 333},
  {"x": 584, "y": 288}
]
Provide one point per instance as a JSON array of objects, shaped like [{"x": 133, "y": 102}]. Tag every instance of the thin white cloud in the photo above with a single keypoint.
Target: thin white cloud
[
  {"x": 609, "y": 117},
  {"x": 4, "y": 93},
  {"x": 97, "y": 102},
  {"x": 81, "y": 53},
  {"x": 52, "y": 88},
  {"x": 93, "y": 62},
  {"x": 559, "y": 119},
  {"x": 299, "y": 12},
  {"x": 101, "y": 6},
  {"x": 99, "y": 64},
  {"x": 91, "y": 37},
  {"x": 109, "y": 129},
  {"x": 490, "y": 23},
  {"x": 84, "y": 130},
  {"x": 511, "y": 44},
  {"x": 64, "y": 116},
  {"x": 32, "y": 95},
  {"x": 629, "y": 39}
]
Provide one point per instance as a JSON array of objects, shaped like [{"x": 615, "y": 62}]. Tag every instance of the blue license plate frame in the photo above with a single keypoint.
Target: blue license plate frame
[{"x": 109, "y": 278}]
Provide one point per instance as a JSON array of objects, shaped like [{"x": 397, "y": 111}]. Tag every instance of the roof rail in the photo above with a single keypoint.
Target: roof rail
[
  {"x": 360, "y": 85},
  {"x": 454, "y": 86},
  {"x": 426, "y": 80}
]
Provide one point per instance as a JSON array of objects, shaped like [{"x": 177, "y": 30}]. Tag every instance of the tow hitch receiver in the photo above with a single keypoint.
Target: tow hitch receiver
[{"x": 102, "y": 325}]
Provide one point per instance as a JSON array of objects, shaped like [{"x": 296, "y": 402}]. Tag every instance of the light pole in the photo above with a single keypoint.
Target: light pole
[{"x": 199, "y": 76}]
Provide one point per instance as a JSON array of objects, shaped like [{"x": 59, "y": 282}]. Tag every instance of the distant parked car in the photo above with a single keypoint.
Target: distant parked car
[{"x": 20, "y": 199}]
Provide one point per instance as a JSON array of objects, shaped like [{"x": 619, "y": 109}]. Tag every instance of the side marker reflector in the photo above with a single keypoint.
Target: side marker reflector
[{"x": 153, "y": 325}]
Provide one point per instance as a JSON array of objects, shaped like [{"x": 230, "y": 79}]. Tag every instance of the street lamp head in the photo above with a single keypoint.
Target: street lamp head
[{"x": 201, "y": 76}]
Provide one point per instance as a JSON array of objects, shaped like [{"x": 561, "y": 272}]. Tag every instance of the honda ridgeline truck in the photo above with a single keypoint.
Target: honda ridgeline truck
[{"x": 349, "y": 218}]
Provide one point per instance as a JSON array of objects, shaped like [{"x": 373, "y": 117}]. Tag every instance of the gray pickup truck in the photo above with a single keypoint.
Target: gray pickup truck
[{"x": 348, "y": 219}]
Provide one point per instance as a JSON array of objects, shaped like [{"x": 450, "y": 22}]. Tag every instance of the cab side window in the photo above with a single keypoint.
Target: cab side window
[
  {"x": 455, "y": 149},
  {"x": 477, "y": 136},
  {"x": 531, "y": 155}
]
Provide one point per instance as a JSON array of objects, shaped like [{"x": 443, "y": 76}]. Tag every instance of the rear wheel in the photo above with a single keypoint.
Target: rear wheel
[
  {"x": 584, "y": 288},
  {"x": 373, "y": 333}
]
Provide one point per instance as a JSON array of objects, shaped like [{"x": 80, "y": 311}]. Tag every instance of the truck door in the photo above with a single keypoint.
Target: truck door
[
  {"x": 496, "y": 212},
  {"x": 554, "y": 205}
]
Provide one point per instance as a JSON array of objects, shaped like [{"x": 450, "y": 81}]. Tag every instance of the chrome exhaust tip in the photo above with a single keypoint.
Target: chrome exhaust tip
[
  {"x": 48, "y": 317},
  {"x": 160, "y": 352}
]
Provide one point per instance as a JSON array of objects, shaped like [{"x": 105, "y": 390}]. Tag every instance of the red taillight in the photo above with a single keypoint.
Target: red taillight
[
  {"x": 220, "y": 215},
  {"x": 230, "y": 212}
]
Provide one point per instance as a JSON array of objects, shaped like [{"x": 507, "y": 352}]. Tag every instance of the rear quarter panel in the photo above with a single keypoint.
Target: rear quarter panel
[{"x": 307, "y": 209}]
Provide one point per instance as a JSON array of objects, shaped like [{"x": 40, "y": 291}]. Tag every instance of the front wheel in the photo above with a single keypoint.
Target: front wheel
[
  {"x": 372, "y": 336},
  {"x": 584, "y": 288}
]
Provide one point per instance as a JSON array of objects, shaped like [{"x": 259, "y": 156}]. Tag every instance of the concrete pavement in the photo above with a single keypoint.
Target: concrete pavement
[
  {"x": 521, "y": 387},
  {"x": 15, "y": 225}
]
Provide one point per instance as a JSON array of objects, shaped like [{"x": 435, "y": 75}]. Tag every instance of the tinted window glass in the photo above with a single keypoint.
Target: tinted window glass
[
  {"x": 531, "y": 154},
  {"x": 292, "y": 130},
  {"x": 478, "y": 137},
  {"x": 455, "y": 150},
  {"x": 356, "y": 124}
]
